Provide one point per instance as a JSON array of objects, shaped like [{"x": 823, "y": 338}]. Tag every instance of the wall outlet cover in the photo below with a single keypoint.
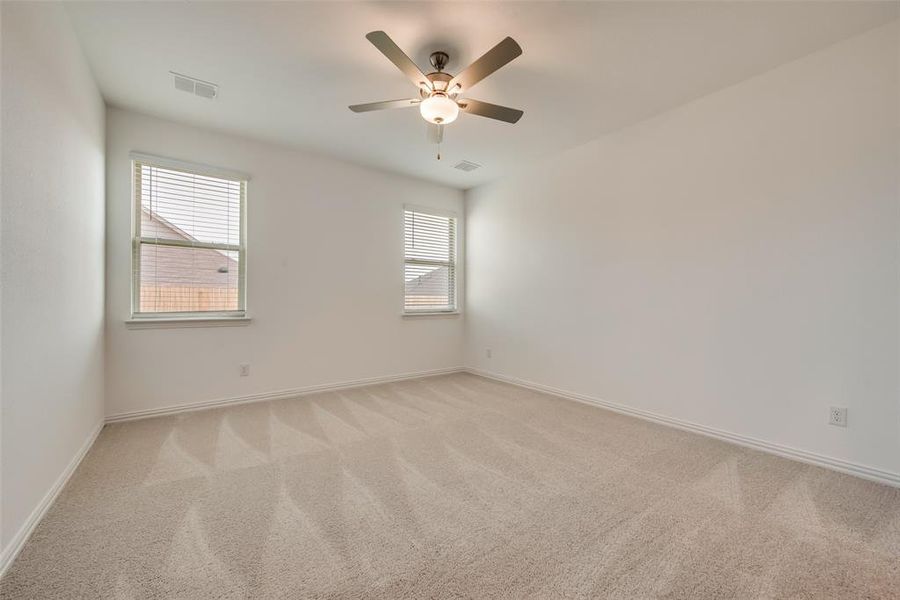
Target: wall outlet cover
[{"x": 837, "y": 415}]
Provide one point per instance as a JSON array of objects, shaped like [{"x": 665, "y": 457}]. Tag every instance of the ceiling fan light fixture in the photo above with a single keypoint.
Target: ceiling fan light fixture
[{"x": 439, "y": 109}]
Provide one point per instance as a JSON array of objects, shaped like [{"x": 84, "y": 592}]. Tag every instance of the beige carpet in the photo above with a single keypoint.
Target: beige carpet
[{"x": 450, "y": 487}]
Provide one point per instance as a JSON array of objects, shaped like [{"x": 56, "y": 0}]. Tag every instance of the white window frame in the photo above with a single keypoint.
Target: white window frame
[
  {"x": 454, "y": 263},
  {"x": 190, "y": 318}
]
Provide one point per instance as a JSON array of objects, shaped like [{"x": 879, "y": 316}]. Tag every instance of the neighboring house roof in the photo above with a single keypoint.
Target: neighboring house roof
[
  {"x": 170, "y": 266},
  {"x": 433, "y": 284}
]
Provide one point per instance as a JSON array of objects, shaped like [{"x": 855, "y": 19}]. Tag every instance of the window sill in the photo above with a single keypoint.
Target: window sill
[
  {"x": 438, "y": 313},
  {"x": 177, "y": 322}
]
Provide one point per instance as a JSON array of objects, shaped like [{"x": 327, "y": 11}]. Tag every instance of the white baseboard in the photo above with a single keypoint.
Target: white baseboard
[
  {"x": 820, "y": 460},
  {"x": 277, "y": 395},
  {"x": 9, "y": 553}
]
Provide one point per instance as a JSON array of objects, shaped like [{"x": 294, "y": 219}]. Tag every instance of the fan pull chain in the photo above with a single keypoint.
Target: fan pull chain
[{"x": 439, "y": 151}]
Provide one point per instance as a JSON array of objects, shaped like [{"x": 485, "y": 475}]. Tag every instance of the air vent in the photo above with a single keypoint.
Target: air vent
[
  {"x": 465, "y": 165},
  {"x": 184, "y": 84},
  {"x": 192, "y": 85},
  {"x": 205, "y": 90}
]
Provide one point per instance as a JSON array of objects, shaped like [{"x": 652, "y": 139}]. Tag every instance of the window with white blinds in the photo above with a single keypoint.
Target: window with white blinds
[
  {"x": 188, "y": 248},
  {"x": 429, "y": 261}
]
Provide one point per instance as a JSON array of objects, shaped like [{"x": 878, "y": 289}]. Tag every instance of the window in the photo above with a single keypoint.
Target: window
[
  {"x": 189, "y": 241},
  {"x": 429, "y": 261}
]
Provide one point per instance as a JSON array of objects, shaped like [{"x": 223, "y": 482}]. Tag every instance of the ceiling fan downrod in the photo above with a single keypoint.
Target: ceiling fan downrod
[{"x": 439, "y": 60}]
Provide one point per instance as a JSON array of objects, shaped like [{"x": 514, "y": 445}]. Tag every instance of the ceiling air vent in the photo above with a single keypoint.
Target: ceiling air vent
[
  {"x": 192, "y": 85},
  {"x": 466, "y": 165}
]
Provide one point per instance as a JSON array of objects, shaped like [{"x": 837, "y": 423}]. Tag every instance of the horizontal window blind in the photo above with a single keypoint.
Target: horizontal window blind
[
  {"x": 429, "y": 262},
  {"x": 188, "y": 245}
]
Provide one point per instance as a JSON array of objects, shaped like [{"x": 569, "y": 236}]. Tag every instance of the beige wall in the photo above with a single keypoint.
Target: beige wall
[
  {"x": 324, "y": 276},
  {"x": 732, "y": 263},
  {"x": 51, "y": 349}
]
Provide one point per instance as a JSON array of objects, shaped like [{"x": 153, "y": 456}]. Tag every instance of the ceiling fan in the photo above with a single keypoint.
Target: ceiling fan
[{"x": 440, "y": 93}]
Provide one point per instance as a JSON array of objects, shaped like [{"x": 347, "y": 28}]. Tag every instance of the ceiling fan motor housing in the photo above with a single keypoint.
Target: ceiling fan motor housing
[{"x": 439, "y": 81}]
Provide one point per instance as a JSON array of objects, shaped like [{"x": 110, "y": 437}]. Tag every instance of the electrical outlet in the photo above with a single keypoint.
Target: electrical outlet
[
  {"x": 245, "y": 370},
  {"x": 837, "y": 416},
  {"x": 488, "y": 352}
]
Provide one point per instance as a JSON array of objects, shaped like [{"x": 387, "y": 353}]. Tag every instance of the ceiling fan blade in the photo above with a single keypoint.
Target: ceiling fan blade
[
  {"x": 491, "y": 111},
  {"x": 493, "y": 59},
  {"x": 435, "y": 133},
  {"x": 394, "y": 54},
  {"x": 358, "y": 108}
]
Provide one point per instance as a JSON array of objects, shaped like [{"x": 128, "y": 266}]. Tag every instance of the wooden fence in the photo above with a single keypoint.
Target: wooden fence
[{"x": 187, "y": 299}]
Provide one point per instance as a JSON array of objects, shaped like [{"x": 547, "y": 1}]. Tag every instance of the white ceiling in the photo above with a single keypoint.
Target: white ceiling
[{"x": 287, "y": 71}]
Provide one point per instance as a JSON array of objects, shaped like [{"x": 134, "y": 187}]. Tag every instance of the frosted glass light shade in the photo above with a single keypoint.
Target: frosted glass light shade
[{"x": 439, "y": 109}]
